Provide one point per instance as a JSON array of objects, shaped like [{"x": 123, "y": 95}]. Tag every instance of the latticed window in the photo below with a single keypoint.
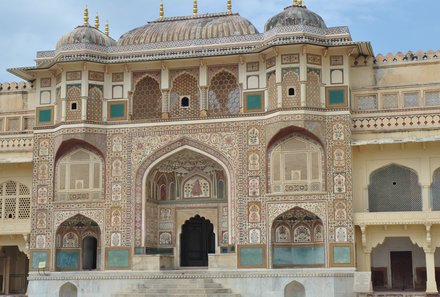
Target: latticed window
[
  {"x": 296, "y": 166},
  {"x": 435, "y": 190},
  {"x": 394, "y": 188},
  {"x": 15, "y": 201},
  {"x": 79, "y": 176}
]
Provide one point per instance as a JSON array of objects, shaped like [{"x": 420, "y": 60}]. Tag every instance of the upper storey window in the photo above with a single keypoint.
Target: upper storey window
[
  {"x": 296, "y": 166},
  {"x": 79, "y": 176},
  {"x": 394, "y": 188}
]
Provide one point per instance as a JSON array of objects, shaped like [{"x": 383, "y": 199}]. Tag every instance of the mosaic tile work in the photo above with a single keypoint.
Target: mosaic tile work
[
  {"x": 313, "y": 88},
  {"x": 95, "y": 103},
  {"x": 147, "y": 99},
  {"x": 224, "y": 94},
  {"x": 73, "y": 103},
  {"x": 184, "y": 96},
  {"x": 291, "y": 81},
  {"x": 272, "y": 91}
]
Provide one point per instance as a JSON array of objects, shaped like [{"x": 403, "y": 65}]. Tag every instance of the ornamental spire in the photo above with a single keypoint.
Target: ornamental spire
[
  {"x": 97, "y": 21},
  {"x": 299, "y": 3},
  {"x": 107, "y": 29},
  {"x": 161, "y": 14},
  {"x": 229, "y": 6},
  {"x": 86, "y": 16},
  {"x": 195, "y": 10}
]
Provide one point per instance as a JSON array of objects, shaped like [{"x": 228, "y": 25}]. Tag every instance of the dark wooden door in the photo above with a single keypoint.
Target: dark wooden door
[
  {"x": 401, "y": 271},
  {"x": 90, "y": 245},
  {"x": 196, "y": 241}
]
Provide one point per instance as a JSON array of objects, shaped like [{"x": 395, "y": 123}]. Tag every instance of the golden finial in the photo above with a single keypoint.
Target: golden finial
[
  {"x": 97, "y": 21},
  {"x": 86, "y": 16},
  {"x": 161, "y": 14},
  {"x": 195, "y": 10},
  {"x": 300, "y": 3},
  {"x": 107, "y": 29},
  {"x": 229, "y": 6}
]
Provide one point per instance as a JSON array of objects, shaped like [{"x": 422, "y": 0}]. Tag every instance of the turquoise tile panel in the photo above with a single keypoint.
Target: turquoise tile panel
[
  {"x": 298, "y": 255},
  {"x": 117, "y": 110},
  {"x": 67, "y": 260},
  {"x": 337, "y": 97},
  {"x": 45, "y": 115},
  {"x": 38, "y": 257},
  {"x": 118, "y": 258},
  {"x": 254, "y": 102},
  {"x": 252, "y": 256},
  {"x": 341, "y": 255}
]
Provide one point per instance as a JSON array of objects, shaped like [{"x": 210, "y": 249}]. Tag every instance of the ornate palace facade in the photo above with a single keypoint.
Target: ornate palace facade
[{"x": 282, "y": 163}]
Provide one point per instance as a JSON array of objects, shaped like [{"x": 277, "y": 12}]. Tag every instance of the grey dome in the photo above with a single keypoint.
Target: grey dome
[{"x": 295, "y": 15}]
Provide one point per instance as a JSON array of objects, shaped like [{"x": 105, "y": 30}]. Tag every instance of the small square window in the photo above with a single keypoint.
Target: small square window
[
  {"x": 184, "y": 101},
  {"x": 291, "y": 91},
  {"x": 74, "y": 106}
]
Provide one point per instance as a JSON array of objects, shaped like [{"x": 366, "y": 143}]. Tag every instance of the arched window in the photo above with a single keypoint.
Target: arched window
[
  {"x": 79, "y": 176},
  {"x": 296, "y": 166},
  {"x": 68, "y": 290},
  {"x": 394, "y": 188},
  {"x": 435, "y": 190},
  {"x": 294, "y": 289}
]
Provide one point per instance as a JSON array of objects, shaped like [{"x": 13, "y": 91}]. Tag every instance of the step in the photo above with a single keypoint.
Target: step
[
  {"x": 176, "y": 295},
  {"x": 174, "y": 285},
  {"x": 183, "y": 290}
]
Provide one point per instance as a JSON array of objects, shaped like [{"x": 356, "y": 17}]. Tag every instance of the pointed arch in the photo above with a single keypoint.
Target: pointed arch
[
  {"x": 294, "y": 289},
  {"x": 147, "y": 99},
  {"x": 185, "y": 86},
  {"x": 68, "y": 290},
  {"x": 394, "y": 187},
  {"x": 297, "y": 240},
  {"x": 139, "y": 191},
  {"x": 94, "y": 103},
  {"x": 224, "y": 94}
]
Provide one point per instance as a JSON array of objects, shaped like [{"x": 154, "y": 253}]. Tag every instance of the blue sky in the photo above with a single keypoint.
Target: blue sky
[{"x": 390, "y": 25}]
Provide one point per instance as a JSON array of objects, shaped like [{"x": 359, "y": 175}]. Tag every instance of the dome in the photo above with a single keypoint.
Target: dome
[
  {"x": 295, "y": 15},
  {"x": 85, "y": 34},
  {"x": 204, "y": 26}
]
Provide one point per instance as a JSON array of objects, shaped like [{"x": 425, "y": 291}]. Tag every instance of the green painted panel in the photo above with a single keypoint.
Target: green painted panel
[
  {"x": 39, "y": 257},
  {"x": 118, "y": 258},
  {"x": 45, "y": 115},
  {"x": 67, "y": 260},
  {"x": 252, "y": 256},
  {"x": 254, "y": 102},
  {"x": 117, "y": 110},
  {"x": 337, "y": 97},
  {"x": 341, "y": 255},
  {"x": 298, "y": 255}
]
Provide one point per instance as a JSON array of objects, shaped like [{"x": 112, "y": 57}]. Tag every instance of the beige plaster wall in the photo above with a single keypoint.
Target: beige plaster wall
[{"x": 20, "y": 172}]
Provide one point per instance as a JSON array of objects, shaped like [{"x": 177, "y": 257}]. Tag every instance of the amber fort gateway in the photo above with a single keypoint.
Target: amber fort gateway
[{"x": 196, "y": 156}]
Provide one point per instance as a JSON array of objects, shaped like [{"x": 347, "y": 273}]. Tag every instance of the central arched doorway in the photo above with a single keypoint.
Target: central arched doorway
[
  {"x": 90, "y": 253},
  {"x": 197, "y": 240}
]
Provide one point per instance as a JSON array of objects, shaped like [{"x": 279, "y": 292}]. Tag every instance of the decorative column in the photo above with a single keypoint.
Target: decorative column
[
  {"x": 303, "y": 76},
  {"x": 203, "y": 101},
  {"x": 431, "y": 284},
  {"x": 165, "y": 104}
]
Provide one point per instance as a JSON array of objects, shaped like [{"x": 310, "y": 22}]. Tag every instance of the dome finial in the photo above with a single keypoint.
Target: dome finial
[
  {"x": 161, "y": 13},
  {"x": 195, "y": 10},
  {"x": 86, "y": 16},
  {"x": 97, "y": 21},
  {"x": 107, "y": 29},
  {"x": 229, "y": 6},
  {"x": 300, "y": 3}
]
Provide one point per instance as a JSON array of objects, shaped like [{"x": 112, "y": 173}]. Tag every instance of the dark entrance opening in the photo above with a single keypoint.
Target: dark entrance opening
[
  {"x": 196, "y": 241},
  {"x": 401, "y": 271},
  {"x": 90, "y": 245}
]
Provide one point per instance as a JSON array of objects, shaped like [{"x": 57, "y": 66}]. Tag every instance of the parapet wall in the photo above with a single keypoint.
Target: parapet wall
[{"x": 15, "y": 87}]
